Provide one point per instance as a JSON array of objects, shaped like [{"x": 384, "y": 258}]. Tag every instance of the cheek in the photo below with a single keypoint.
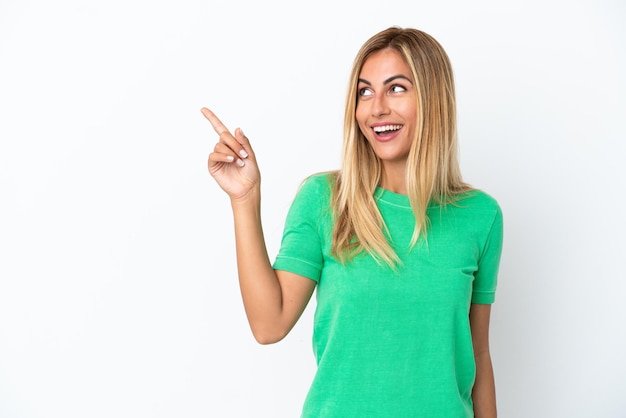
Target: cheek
[
  {"x": 410, "y": 112},
  {"x": 361, "y": 119},
  {"x": 359, "y": 113}
]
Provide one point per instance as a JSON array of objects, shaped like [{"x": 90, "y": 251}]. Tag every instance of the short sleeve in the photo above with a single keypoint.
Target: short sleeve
[
  {"x": 486, "y": 276},
  {"x": 301, "y": 245}
]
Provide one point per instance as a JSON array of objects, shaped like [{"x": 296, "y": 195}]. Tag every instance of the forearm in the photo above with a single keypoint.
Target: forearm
[
  {"x": 260, "y": 288},
  {"x": 484, "y": 392}
]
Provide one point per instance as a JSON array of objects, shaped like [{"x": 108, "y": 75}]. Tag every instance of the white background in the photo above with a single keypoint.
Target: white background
[{"x": 118, "y": 292}]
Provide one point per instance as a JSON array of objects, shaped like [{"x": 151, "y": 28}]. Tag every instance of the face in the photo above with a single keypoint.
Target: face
[{"x": 386, "y": 108}]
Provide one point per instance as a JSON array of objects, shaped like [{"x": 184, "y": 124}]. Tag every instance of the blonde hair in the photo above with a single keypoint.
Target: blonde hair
[{"x": 433, "y": 173}]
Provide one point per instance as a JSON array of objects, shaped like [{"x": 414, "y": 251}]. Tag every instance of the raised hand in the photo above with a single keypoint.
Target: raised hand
[{"x": 232, "y": 162}]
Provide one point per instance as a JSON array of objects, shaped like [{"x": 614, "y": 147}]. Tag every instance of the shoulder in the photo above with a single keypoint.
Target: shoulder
[
  {"x": 314, "y": 192},
  {"x": 318, "y": 184},
  {"x": 478, "y": 200},
  {"x": 312, "y": 202},
  {"x": 475, "y": 210}
]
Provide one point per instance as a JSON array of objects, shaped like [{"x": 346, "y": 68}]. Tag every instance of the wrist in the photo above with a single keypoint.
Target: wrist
[{"x": 252, "y": 198}]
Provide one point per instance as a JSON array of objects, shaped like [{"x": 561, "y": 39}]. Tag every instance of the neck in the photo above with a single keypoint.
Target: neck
[{"x": 394, "y": 178}]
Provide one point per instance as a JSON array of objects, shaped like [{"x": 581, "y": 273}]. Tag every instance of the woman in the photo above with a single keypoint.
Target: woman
[{"x": 402, "y": 253}]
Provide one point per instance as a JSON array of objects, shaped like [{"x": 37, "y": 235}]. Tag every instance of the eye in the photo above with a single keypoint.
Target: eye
[
  {"x": 397, "y": 88},
  {"x": 365, "y": 92}
]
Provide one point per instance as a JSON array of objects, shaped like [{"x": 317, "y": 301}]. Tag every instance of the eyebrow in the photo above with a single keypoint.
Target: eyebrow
[{"x": 387, "y": 81}]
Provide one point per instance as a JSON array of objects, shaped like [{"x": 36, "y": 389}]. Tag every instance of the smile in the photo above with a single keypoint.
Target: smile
[
  {"x": 386, "y": 128},
  {"x": 385, "y": 133}
]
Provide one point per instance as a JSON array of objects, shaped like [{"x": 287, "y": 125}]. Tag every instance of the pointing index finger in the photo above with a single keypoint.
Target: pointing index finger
[{"x": 217, "y": 124}]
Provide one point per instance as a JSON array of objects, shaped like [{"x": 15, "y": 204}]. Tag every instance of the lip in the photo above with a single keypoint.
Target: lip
[{"x": 385, "y": 138}]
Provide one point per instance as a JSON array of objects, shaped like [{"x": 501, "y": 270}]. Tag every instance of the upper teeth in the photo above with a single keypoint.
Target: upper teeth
[{"x": 387, "y": 128}]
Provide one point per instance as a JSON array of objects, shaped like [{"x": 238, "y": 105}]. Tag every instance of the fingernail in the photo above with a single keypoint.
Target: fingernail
[
  {"x": 230, "y": 158},
  {"x": 243, "y": 153},
  {"x": 240, "y": 162}
]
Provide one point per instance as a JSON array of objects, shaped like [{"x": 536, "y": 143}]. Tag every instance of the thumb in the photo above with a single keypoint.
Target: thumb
[
  {"x": 243, "y": 140},
  {"x": 241, "y": 137}
]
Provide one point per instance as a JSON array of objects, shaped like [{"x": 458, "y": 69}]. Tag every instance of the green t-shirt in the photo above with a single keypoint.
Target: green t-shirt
[{"x": 395, "y": 344}]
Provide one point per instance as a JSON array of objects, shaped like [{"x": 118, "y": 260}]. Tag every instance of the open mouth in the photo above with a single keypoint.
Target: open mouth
[{"x": 386, "y": 130}]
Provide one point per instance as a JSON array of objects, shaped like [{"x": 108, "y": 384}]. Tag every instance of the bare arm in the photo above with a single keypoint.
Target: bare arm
[
  {"x": 484, "y": 392},
  {"x": 273, "y": 300}
]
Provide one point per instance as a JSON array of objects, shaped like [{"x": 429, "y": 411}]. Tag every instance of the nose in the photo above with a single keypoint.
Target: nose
[{"x": 380, "y": 106}]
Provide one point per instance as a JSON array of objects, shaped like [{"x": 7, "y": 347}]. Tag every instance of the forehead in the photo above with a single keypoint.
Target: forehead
[{"x": 383, "y": 64}]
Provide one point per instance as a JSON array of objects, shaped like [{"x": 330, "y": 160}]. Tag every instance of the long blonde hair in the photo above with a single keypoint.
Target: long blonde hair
[{"x": 432, "y": 174}]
